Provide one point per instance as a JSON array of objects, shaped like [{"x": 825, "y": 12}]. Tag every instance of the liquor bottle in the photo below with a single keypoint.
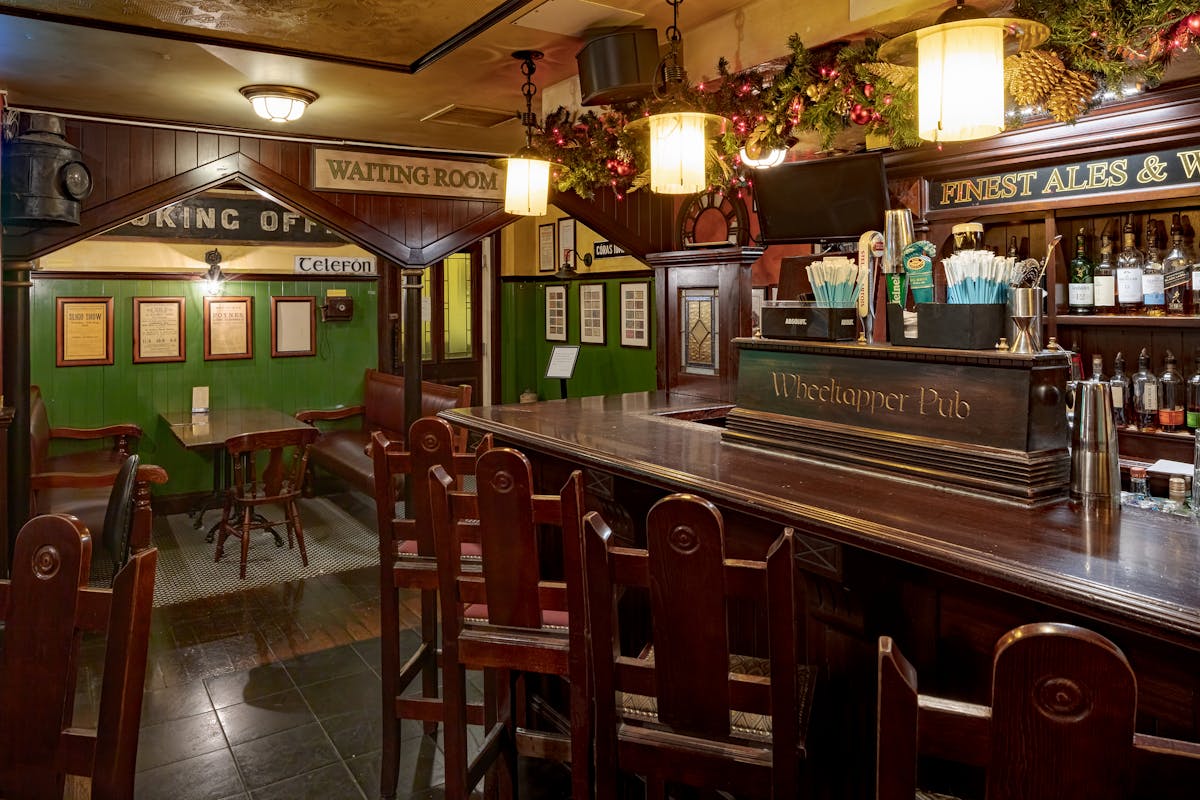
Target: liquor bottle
[
  {"x": 1098, "y": 369},
  {"x": 1177, "y": 278},
  {"x": 1104, "y": 279},
  {"x": 1129, "y": 274},
  {"x": 1144, "y": 387},
  {"x": 1118, "y": 387},
  {"x": 1192, "y": 390},
  {"x": 1076, "y": 360},
  {"x": 1153, "y": 289},
  {"x": 1171, "y": 399},
  {"x": 1012, "y": 249},
  {"x": 1080, "y": 291}
]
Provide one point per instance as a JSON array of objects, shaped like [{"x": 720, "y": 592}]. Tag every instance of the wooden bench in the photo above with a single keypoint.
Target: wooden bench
[
  {"x": 344, "y": 452},
  {"x": 124, "y": 441}
]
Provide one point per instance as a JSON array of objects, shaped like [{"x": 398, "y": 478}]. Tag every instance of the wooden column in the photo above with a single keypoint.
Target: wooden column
[{"x": 14, "y": 307}]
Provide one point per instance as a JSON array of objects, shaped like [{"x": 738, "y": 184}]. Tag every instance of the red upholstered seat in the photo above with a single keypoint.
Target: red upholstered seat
[{"x": 477, "y": 613}]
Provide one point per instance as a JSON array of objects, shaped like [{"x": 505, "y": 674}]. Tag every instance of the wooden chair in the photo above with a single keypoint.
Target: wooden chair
[
  {"x": 505, "y": 620},
  {"x": 46, "y": 608},
  {"x": 1060, "y": 725},
  {"x": 278, "y": 484},
  {"x": 124, "y": 436},
  {"x": 408, "y": 560},
  {"x": 687, "y": 709}
]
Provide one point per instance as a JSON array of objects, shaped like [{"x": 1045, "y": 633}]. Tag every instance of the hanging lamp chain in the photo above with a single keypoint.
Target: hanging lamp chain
[
  {"x": 673, "y": 73},
  {"x": 528, "y": 90}
]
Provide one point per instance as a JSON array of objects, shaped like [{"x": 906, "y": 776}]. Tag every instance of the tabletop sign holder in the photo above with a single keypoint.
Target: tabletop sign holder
[
  {"x": 199, "y": 399},
  {"x": 562, "y": 364}
]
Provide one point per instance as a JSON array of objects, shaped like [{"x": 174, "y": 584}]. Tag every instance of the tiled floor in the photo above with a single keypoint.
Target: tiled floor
[{"x": 275, "y": 693}]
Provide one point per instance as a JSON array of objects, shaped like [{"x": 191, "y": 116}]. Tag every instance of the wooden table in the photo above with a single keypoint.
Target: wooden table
[
  {"x": 944, "y": 572},
  {"x": 209, "y": 431}
]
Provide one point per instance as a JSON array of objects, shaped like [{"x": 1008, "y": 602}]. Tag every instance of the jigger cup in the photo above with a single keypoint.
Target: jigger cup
[{"x": 1023, "y": 306}]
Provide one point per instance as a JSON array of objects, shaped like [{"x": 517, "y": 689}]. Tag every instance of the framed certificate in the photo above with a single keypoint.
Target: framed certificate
[
  {"x": 591, "y": 313},
  {"x": 293, "y": 326},
  {"x": 556, "y": 313},
  {"x": 228, "y": 328},
  {"x": 566, "y": 240},
  {"x": 83, "y": 331},
  {"x": 159, "y": 330},
  {"x": 546, "y": 248},
  {"x": 635, "y": 315}
]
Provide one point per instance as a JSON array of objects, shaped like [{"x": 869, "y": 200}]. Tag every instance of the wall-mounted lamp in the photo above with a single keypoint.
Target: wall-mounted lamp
[
  {"x": 278, "y": 103},
  {"x": 527, "y": 177},
  {"x": 960, "y": 70},
  {"x": 214, "y": 277},
  {"x": 679, "y": 134},
  {"x": 567, "y": 270},
  {"x": 757, "y": 158}
]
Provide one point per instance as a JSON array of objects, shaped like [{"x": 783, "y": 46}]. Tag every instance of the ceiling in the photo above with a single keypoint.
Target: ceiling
[{"x": 381, "y": 67}]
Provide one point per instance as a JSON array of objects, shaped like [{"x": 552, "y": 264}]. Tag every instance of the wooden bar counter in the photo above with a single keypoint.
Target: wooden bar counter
[{"x": 943, "y": 571}]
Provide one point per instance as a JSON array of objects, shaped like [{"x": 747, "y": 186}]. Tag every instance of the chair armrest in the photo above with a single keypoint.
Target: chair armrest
[
  {"x": 126, "y": 429},
  {"x": 334, "y": 413},
  {"x": 151, "y": 473}
]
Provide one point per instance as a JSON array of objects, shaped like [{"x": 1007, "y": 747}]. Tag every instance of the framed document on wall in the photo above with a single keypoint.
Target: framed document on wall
[
  {"x": 635, "y": 315},
  {"x": 228, "y": 328},
  {"x": 591, "y": 313},
  {"x": 83, "y": 331},
  {"x": 566, "y": 240},
  {"x": 556, "y": 313},
  {"x": 159, "y": 330},
  {"x": 293, "y": 326},
  {"x": 546, "y": 249}
]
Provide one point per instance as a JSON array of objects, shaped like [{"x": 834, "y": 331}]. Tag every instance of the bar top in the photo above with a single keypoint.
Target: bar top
[{"x": 1137, "y": 569}]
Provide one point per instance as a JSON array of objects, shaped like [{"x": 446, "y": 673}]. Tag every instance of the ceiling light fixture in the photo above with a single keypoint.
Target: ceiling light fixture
[
  {"x": 960, "y": 70},
  {"x": 527, "y": 177},
  {"x": 278, "y": 103},
  {"x": 679, "y": 134}
]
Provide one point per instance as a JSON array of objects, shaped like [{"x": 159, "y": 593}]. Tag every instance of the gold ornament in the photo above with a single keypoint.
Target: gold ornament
[
  {"x": 816, "y": 91},
  {"x": 1031, "y": 76},
  {"x": 894, "y": 74},
  {"x": 1072, "y": 96}
]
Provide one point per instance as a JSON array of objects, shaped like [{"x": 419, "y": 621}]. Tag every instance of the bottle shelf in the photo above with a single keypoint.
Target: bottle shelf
[
  {"x": 1153, "y": 445},
  {"x": 1125, "y": 321}
]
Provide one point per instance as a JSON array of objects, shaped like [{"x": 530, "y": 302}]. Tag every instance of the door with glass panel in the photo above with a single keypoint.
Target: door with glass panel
[{"x": 450, "y": 321}]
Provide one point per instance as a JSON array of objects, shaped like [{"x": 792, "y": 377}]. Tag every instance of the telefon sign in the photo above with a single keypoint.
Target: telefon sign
[{"x": 342, "y": 266}]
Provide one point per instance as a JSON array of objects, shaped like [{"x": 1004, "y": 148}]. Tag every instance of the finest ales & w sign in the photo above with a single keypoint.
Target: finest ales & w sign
[{"x": 346, "y": 171}]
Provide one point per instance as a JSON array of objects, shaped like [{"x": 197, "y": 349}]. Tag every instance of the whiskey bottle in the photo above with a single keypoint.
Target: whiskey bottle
[
  {"x": 1104, "y": 280},
  {"x": 1153, "y": 276},
  {"x": 1177, "y": 277},
  {"x": 1144, "y": 387},
  {"x": 1080, "y": 290},
  {"x": 1192, "y": 391},
  {"x": 1170, "y": 397},
  {"x": 1130, "y": 262},
  {"x": 1118, "y": 387}
]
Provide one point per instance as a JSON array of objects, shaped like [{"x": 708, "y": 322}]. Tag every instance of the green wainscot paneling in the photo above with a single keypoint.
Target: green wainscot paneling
[
  {"x": 601, "y": 369},
  {"x": 91, "y": 396}
]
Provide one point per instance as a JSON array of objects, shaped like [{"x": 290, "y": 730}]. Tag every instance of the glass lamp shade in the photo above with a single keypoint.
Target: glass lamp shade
[
  {"x": 278, "y": 109},
  {"x": 526, "y": 184},
  {"x": 960, "y": 82},
  {"x": 677, "y": 152},
  {"x": 762, "y": 159}
]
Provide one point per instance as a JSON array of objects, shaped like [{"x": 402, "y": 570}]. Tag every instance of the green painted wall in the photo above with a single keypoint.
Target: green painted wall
[
  {"x": 127, "y": 392},
  {"x": 601, "y": 369}
]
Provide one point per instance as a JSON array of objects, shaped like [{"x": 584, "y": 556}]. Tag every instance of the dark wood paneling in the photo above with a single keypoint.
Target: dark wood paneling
[{"x": 641, "y": 223}]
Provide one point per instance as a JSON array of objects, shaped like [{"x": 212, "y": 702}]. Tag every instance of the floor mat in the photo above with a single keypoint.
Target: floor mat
[{"x": 339, "y": 534}]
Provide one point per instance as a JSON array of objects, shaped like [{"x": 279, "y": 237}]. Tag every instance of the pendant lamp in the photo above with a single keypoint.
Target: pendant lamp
[
  {"x": 527, "y": 177},
  {"x": 679, "y": 134},
  {"x": 960, "y": 70}
]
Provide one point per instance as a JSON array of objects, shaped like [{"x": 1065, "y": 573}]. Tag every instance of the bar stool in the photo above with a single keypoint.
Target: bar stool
[
  {"x": 505, "y": 620},
  {"x": 407, "y": 560}
]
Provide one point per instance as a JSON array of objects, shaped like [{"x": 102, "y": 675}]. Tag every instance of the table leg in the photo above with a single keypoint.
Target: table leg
[{"x": 216, "y": 497}]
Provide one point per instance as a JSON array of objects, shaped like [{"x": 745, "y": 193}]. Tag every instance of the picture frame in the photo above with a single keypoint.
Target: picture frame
[
  {"x": 546, "y": 248},
  {"x": 228, "y": 328},
  {"x": 566, "y": 240},
  {"x": 83, "y": 334},
  {"x": 591, "y": 313},
  {"x": 159, "y": 330},
  {"x": 293, "y": 326},
  {"x": 635, "y": 314},
  {"x": 556, "y": 313}
]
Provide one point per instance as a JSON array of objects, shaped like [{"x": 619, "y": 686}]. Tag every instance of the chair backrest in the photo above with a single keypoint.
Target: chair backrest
[
  {"x": 283, "y": 472},
  {"x": 1060, "y": 724},
  {"x": 46, "y": 608},
  {"x": 433, "y": 443},
  {"x": 383, "y": 401},
  {"x": 39, "y": 430},
  {"x": 119, "y": 513},
  {"x": 691, "y": 584},
  {"x": 503, "y": 517}
]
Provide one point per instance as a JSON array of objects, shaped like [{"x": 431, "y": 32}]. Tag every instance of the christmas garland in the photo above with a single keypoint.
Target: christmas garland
[{"x": 1094, "y": 46}]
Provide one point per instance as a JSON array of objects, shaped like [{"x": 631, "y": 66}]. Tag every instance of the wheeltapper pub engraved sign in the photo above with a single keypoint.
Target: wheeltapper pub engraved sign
[
  {"x": 347, "y": 171},
  {"x": 1163, "y": 168}
]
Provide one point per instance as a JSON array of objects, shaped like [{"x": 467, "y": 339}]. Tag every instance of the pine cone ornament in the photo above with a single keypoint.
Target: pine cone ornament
[
  {"x": 1072, "y": 96},
  {"x": 894, "y": 74},
  {"x": 1031, "y": 76}
]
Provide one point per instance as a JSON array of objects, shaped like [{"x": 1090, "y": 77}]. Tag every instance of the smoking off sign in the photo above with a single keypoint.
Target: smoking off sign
[{"x": 380, "y": 173}]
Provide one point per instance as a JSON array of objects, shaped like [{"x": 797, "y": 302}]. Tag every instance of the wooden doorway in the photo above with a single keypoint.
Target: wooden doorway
[{"x": 451, "y": 321}]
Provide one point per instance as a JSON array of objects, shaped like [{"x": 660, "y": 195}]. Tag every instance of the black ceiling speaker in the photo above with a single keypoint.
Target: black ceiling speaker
[
  {"x": 618, "y": 67},
  {"x": 44, "y": 177}
]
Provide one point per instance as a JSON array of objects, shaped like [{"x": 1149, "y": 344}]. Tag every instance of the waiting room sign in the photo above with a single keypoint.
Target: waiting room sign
[{"x": 346, "y": 171}]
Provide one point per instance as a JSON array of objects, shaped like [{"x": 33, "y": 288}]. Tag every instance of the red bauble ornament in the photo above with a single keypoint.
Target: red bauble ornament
[
  {"x": 887, "y": 99},
  {"x": 868, "y": 90},
  {"x": 857, "y": 107},
  {"x": 876, "y": 116},
  {"x": 860, "y": 116},
  {"x": 1193, "y": 23}
]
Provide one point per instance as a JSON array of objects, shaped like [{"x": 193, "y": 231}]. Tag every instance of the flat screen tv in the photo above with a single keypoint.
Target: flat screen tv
[{"x": 827, "y": 199}]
